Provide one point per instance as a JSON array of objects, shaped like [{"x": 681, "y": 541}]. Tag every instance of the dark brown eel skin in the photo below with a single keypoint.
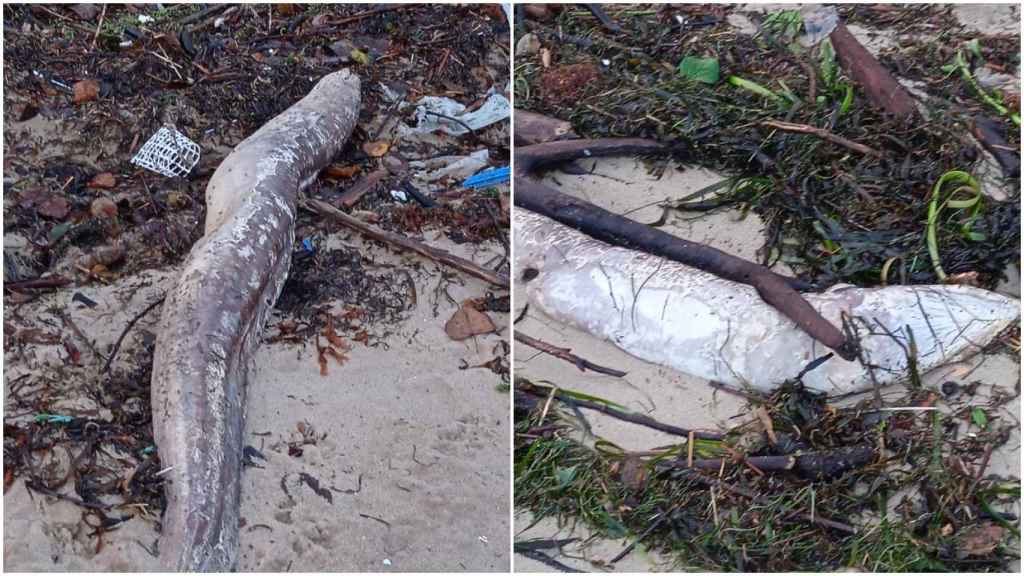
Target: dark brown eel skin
[{"x": 213, "y": 316}]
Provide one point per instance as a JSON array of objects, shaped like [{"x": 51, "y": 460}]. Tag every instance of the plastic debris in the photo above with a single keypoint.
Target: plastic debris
[
  {"x": 495, "y": 109},
  {"x": 455, "y": 167},
  {"x": 168, "y": 152},
  {"x": 307, "y": 244},
  {"x": 53, "y": 419},
  {"x": 387, "y": 562},
  {"x": 491, "y": 177},
  {"x": 400, "y": 195},
  {"x": 819, "y": 22}
]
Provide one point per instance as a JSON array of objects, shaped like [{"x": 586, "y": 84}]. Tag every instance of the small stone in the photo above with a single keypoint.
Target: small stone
[{"x": 528, "y": 45}]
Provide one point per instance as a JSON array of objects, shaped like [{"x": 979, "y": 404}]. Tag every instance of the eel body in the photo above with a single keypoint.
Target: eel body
[
  {"x": 700, "y": 324},
  {"x": 212, "y": 319}
]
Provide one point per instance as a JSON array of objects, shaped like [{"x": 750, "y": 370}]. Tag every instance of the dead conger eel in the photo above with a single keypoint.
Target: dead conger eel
[
  {"x": 213, "y": 316},
  {"x": 614, "y": 229}
]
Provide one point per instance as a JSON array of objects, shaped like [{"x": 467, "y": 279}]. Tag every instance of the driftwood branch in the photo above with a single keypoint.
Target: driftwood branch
[
  {"x": 823, "y": 134},
  {"x": 566, "y": 354},
  {"x": 544, "y": 392},
  {"x": 882, "y": 89},
  {"x": 533, "y": 128},
  {"x": 615, "y": 229},
  {"x": 394, "y": 240}
]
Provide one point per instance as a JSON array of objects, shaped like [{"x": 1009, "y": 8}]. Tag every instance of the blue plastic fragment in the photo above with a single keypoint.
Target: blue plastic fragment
[
  {"x": 487, "y": 178},
  {"x": 53, "y": 419},
  {"x": 148, "y": 450},
  {"x": 307, "y": 243}
]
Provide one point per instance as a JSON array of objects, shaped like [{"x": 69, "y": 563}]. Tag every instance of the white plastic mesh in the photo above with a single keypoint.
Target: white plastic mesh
[{"x": 168, "y": 152}]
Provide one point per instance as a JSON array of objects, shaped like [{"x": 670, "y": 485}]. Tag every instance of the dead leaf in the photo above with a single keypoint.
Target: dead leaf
[
  {"x": 339, "y": 171},
  {"x": 333, "y": 337},
  {"x": 318, "y": 20},
  {"x": 86, "y": 11},
  {"x": 965, "y": 279},
  {"x": 103, "y": 208},
  {"x": 102, "y": 258},
  {"x": 545, "y": 58},
  {"x": 104, "y": 180},
  {"x": 36, "y": 336},
  {"x": 8, "y": 479},
  {"x": 86, "y": 90},
  {"x": 54, "y": 207},
  {"x": 766, "y": 422},
  {"x": 25, "y": 112},
  {"x": 376, "y": 149},
  {"x": 634, "y": 472},
  {"x": 257, "y": 56},
  {"x": 980, "y": 540},
  {"x": 73, "y": 354},
  {"x": 285, "y": 9},
  {"x": 321, "y": 358},
  {"x": 339, "y": 357},
  {"x": 467, "y": 322}
]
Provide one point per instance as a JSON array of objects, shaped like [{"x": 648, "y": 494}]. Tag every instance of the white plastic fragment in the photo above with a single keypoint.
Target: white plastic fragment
[
  {"x": 387, "y": 562},
  {"x": 143, "y": 19},
  {"x": 168, "y": 152},
  {"x": 400, "y": 195},
  {"x": 819, "y": 22},
  {"x": 495, "y": 109},
  {"x": 455, "y": 167}
]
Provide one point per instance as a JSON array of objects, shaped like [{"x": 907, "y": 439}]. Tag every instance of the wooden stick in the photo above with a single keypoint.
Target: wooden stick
[
  {"x": 436, "y": 254},
  {"x": 823, "y": 134},
  {"x": 38, "y": 283},
  {"x": 543, "y": 392},
  {"x": 98, "y": 26},
  {"x": 350, "y": 197},
  {"x": 566, "y": 354},
  {"x": 882, "y": 89}
]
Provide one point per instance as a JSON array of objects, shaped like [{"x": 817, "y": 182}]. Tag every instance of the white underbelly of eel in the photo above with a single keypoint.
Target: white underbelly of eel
[
  {"x": 677, "y": 316},
  {"x": 213, "y": 316}
]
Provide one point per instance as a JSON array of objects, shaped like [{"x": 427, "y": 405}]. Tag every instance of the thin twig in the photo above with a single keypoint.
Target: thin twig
[
  {"x": 567, "y": 355},
  {"x": 540, "y": 391},
  {"x": 436, "y": 254},
  {"x": 117, "y": 345},
  {"x": 98, "y": 26},
  {"x": 757, "y": 499},
  {"x": 661, "y": 519},
  {"x": 823, "y": 134}
]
